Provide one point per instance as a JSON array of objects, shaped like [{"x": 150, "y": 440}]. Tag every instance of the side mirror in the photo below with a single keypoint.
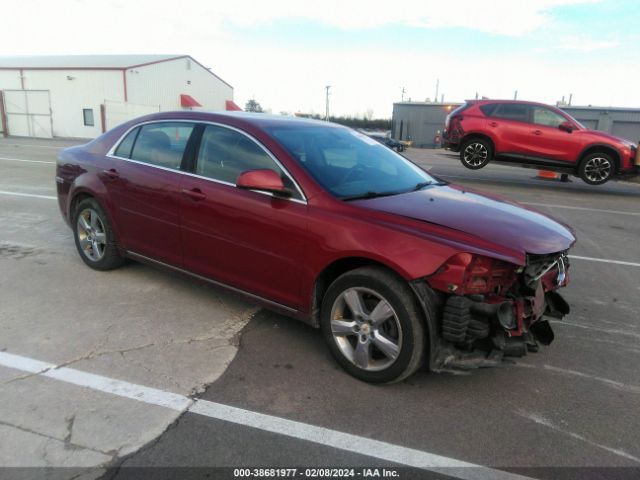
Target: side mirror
[
  {"x": 264, "y": 180},
  {"x": 567, "y": 127}
]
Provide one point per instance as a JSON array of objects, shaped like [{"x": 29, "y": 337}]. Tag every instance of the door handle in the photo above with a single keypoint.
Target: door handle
[
  {"x": 111, "y": 173},
  {"x": 194, "y": 193},
  {"x": 537, "y": 132},
  {"x": 493, "y": 124}
]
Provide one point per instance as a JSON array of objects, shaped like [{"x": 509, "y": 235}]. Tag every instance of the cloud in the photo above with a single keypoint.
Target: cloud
[
  {"x": 585, "y": 44},
  {"x": 500, "y": 17}
]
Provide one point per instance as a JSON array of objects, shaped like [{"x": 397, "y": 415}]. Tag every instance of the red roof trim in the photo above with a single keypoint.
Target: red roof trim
[
  {"x": 188, "y": 101},
  {"x": 231, "y": 106}
]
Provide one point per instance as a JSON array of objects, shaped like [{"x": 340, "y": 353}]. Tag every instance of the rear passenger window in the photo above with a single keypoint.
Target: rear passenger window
[
  {"x": 488, "y": 109},
  {"x": 512, "y": 111},
  {"x": 162, "y": 144},
  {"x": 224, "y": 154},
  {"x": 124, "y": 149}
]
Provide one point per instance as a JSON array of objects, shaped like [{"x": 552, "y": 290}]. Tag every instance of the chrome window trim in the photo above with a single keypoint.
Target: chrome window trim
[{"x": 114, "y": 147}]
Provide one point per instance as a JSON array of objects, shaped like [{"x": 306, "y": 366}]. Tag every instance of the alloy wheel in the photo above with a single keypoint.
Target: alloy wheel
[
  {"x": 597, "y": 169},
  {"x": 475, "y": 154},
  {"x": 91, "y": 234},
  {"x": 366, "y": 329}
]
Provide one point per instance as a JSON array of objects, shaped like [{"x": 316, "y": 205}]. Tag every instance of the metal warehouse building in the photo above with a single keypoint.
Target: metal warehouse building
[
  {"x": 84, "y": 95},
  {"x": 420, "y": 122}
]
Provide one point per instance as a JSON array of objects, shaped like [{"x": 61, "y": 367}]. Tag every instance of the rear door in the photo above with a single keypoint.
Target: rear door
[
  {"x": 509, "y": 123},
  {"x": 144, "y": 186},
  {"x": 250, "y": 240}
]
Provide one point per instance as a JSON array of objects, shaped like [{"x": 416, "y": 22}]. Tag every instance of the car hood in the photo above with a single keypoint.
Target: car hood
[
  {"x": 490, "y": 217},
  {"x": 608, "y": 136}
]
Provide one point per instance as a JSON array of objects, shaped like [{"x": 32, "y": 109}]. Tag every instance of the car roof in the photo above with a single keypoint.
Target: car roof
[
  {"x": 497, "y": 100},
  {"x": 260, "y": 120}
]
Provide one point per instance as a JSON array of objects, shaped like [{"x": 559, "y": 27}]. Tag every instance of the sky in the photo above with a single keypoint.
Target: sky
[{"x": 283, "y": 53}]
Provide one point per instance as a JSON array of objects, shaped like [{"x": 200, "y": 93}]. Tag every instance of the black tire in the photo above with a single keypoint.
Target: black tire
[
  {"x": 106, "y": 257},
  {"x": 404, "y": 325},
  {"x": 597, "y": 168},
  {"x": 476, "y": 153}
]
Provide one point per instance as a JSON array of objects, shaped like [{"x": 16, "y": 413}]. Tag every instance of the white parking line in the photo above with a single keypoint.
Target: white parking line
[
  {"x": 604, "y": 260},
  {"x": 24, "y": 160},
  {"x": 302, "y": 431},
  {"x": 32, "y": 195},
  {"x": 549, "y": 205},
  {"x": 540, "y": 420},
  {"x": 2, "y": 144}
]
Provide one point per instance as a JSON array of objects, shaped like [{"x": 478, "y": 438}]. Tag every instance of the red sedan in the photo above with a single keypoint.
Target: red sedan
[{"x": 324, "y": 224}]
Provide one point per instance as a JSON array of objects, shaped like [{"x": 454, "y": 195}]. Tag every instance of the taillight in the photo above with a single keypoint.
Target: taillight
[{"x": 467, "y": 274}]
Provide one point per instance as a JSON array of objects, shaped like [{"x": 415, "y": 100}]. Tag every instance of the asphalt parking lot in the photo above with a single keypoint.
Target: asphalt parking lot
[{"x": 107, "y": 373}]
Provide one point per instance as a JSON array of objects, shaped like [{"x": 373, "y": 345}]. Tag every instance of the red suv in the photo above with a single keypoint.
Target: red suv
[{"x": 535, "y": 135}]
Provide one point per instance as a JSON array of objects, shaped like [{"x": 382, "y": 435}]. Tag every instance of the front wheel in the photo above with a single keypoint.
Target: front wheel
[
  {"x": 372, "y": 325},
  {"x": 475, "y": 153},
  {"x": 596, "y": 168}
]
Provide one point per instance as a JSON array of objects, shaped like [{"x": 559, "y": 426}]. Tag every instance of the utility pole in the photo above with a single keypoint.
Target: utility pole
[
  {"x": 403, "y": 92},
  {"x": 326, "y": 115},
  {"x": 435, "y": 99},
  {"x": 515, "y": 95},
  {"x": 570, "y": 97}
]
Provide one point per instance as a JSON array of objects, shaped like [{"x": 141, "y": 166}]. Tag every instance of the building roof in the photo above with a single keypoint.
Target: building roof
[
  {"x": 90, "y": 62},
  {"x": 82, "y": 61}
]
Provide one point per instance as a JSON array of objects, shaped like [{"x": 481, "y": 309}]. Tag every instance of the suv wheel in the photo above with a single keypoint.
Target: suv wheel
[
  {"x": 475, "y": 153},
  {"x": 94, "y": 237},
  {"x": 372, "y": 325},
  {"x": 596, "y": 168}
]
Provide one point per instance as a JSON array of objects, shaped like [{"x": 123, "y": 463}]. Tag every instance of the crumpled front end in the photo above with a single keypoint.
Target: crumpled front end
[{"x": 490, "y": 309}]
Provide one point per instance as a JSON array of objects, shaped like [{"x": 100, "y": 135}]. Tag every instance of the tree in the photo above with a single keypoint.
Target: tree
[{"x": 253, "y": 106}]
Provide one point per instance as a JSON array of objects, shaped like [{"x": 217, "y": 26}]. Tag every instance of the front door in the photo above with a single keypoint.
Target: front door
[
  {"x": 250, "y": 240},
  {"x": 547, "y": 141}
]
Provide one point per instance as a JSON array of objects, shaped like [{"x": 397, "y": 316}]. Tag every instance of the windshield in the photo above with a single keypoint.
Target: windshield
[{"x": 349, "y": 164}]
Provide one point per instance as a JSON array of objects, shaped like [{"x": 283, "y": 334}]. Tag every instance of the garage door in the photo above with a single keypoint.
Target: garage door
[
  {"x": 28, "y": 113},
  {"x": 628, "y": 130},
  {"x": 590, "y": 124}
]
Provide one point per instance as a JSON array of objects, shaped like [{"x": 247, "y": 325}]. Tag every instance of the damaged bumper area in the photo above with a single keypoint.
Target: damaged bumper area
[{"x": 489, "y": 309}]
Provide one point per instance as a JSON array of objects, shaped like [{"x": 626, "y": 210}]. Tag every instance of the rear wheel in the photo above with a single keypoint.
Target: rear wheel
[
  {"x": 596, "y": 168},
  {"x": 94, "y": 236},
  {"x": 476, "y": 153},
  {"x": 372, "y": 325}
]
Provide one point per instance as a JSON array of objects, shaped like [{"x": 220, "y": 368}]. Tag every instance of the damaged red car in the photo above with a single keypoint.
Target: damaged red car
[{"x": 319, "y": 222}]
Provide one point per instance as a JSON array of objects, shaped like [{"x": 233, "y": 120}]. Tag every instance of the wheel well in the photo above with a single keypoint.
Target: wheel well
[
  {"x": 472, "y": 136},
  {"x": 602, "y": 149},
  {"x": 75, "y": 201},
  {"x": 330, "y": 273}
]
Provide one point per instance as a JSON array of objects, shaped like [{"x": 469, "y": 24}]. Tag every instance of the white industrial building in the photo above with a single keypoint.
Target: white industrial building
[{"x": 81, "y": 96}]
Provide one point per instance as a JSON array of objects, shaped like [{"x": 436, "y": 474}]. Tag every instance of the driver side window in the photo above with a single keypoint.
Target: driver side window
[
  {"x": 549, "y": 118},
  {"x": 224, "y": 154}
]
